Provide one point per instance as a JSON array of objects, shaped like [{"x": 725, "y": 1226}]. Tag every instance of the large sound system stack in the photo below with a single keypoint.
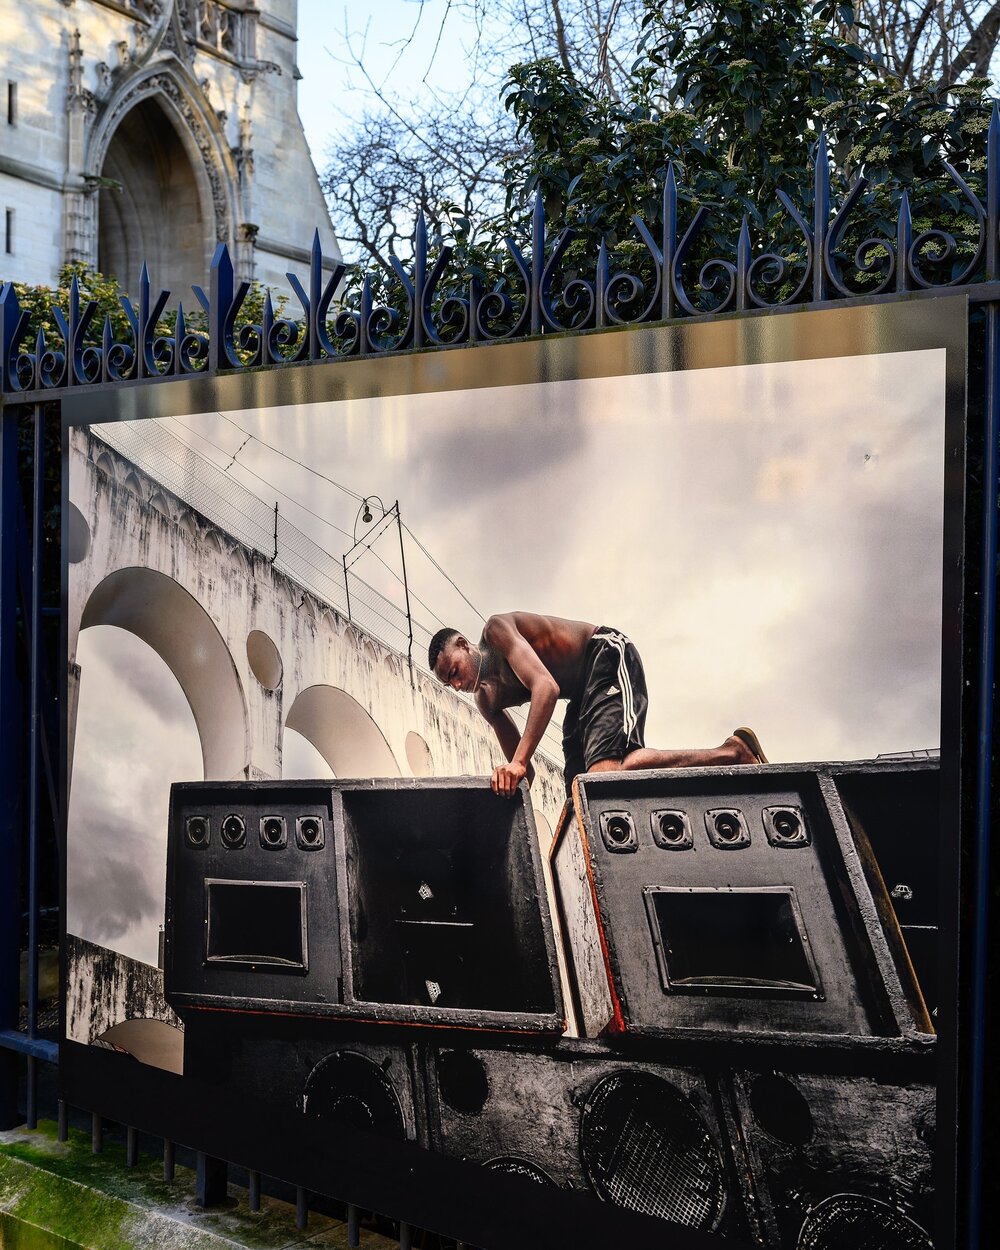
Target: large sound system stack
[
  {"x": 749, "y": 951},
  {"x": 650, "y": 1136},
  {"x": 744, "y": 911}
]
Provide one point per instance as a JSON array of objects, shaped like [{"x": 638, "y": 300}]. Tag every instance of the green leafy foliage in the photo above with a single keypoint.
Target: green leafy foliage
[{"x": 734, "y": 93}]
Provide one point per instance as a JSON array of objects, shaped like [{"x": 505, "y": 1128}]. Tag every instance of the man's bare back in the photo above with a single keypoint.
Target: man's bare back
[{"x": 524, "y": 657}]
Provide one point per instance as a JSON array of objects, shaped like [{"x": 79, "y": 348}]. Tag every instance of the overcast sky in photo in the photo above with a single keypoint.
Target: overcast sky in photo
[{"x": 772, "y": 547}]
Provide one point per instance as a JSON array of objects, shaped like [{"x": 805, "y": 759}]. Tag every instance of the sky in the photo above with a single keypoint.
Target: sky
[
  {"x": 773, "y": 550},
  {"x": 402, "y": 44}
]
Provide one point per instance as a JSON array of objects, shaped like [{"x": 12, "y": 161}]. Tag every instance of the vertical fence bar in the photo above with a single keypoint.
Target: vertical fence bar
[
  {"x": 253, "y": 1200},
  {"x": 301, "y": 1207},
  {"x": 11, "y": 739},
  {"x": 211, "y": 1180},
  {"x": 31, "y": 1092},
  {"x": 62, "y": 1120},
  {"x": 353, "y": 1231},
  {"x": 96, "y": 1133},
  {"x": 35, "y": 734},
  {"x": 980, "y": 901},
  {"x": 169, "y": 1156}
]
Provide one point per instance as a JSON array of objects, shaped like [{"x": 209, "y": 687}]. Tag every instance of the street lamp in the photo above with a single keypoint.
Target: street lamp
[{"x": 365, "y": 517}]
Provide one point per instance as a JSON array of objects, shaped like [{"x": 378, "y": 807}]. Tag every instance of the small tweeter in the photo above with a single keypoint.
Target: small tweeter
[
  {"x": 309, "y": 834},
  {"x": 273, "y": 834},
  {"x": 785, "y": 826},
  {"x": 197, "y": 831},
  {"x": 727, "y": 829},
  {"x": 234, "y": 832},
  {"x": 618, "y": 832},
  {"x": 671, "y": 830}
]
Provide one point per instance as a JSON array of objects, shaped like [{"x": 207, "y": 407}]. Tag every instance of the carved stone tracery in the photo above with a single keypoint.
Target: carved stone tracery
[{"x": 166, "y": 84}]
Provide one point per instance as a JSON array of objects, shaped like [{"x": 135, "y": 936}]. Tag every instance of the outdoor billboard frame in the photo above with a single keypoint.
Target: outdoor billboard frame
[{"x": 109, "y": 1086}]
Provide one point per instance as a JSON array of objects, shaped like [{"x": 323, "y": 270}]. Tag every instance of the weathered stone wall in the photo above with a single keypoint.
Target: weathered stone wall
[
  {"x": 104, "y": 988},
  {"x": 222, "y": 75}
]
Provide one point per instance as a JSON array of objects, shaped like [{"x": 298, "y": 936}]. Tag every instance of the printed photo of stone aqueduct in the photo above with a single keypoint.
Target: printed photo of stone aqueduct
[{"x": 774, "y": 552}]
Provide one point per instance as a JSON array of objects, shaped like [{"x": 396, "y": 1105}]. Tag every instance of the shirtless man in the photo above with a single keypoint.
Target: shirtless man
[{"x": 526, "y": 658}]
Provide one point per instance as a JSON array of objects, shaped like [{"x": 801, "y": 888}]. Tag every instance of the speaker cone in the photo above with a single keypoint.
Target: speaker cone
[
  {"x": 726, "y": 828},
  {"x": 234, "y": 832},
  {"x": 513, "y": 1165},
  {"x": 618, "y": 831},
  {"x": 196, "y": 831},
  {"x": 856, "y": 1222},
  {"x": 272, "y": 832},
  {"x": 352, "y": 1090},
  {"x": 645, "y": 1147},
  {"x": 671, "y": 830},
  {"x": 309, "y": 833}
]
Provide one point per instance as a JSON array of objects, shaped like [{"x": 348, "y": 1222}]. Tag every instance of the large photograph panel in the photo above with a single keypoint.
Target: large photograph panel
[{"x": 675, "y": 984}]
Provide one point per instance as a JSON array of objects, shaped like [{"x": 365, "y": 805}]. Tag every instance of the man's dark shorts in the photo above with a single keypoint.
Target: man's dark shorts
[{"x": 607, "y": 717}]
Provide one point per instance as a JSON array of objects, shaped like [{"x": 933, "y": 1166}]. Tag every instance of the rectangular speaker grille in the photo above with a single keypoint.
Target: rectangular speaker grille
[
  {"x": 256, "y": 925},
  {"x": 731, "y": 941}
]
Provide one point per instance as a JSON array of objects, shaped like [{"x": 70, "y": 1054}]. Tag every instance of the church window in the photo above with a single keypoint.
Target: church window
[
  {"x": 11, "y": 103},
  {"x": 9, "y": 231}
]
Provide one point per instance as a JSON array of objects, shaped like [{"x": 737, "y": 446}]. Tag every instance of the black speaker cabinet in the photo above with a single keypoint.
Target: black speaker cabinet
[
  {"x": 417, "y": 902},
  {"x": 646, "y": 1136},
  {"x": 839, "y": 1162},
  {"x": 728, "y": 900},
  {"x": 351, "y": 1075},
  {"x": 444, "y": 916},
  {"x": 252, "y": 920},
  {"x": 894, "y": 810}
]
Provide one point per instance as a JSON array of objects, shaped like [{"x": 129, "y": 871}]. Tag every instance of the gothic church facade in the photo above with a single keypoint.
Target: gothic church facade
[{"x": 152, "y": 130}]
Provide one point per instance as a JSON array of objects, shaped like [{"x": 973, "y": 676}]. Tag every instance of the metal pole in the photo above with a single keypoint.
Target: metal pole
[
  {"x": 11, "y": 747},
  {"x": 984, "y": 750},
  {"x": 347, "y": 589},
  {"x": 34, "y": 741},
  {"x": 406, "y": 589}
]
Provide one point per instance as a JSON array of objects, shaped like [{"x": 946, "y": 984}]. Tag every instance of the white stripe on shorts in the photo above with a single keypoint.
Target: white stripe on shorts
[{"x": 629, "y": 718}]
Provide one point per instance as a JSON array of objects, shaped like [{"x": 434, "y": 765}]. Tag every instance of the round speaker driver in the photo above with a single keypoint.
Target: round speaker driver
[
  {"x": 514, "y": 1165},
  {"x": 350, "y": 1089},
  {"x": 645, "y": 1147},
  {"x": 856, "y": 1222}
]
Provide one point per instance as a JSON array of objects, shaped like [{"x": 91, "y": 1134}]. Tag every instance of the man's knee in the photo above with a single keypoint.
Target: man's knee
[{"x": 605, "y": 766}]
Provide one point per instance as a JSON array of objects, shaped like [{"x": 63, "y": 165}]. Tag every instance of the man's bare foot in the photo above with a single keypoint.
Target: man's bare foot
[{"x": 748, "y": 747}]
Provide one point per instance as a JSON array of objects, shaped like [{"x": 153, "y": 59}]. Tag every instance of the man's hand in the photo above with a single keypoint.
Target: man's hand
[{"x": 506, "y": 778}]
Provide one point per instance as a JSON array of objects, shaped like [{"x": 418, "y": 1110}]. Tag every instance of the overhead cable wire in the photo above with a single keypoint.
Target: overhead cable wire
[
  {"x": 441, "y": 571},
  {"x": 246, "y": 469},
  {"x": 285, "y": 456}
]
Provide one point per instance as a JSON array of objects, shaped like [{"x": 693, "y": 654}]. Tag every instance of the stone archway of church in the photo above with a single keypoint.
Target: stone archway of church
[
  {"x": 153, "y": 206},
  {"x": 167, "y": 618},
  {"x": 342, "y": 732}
]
